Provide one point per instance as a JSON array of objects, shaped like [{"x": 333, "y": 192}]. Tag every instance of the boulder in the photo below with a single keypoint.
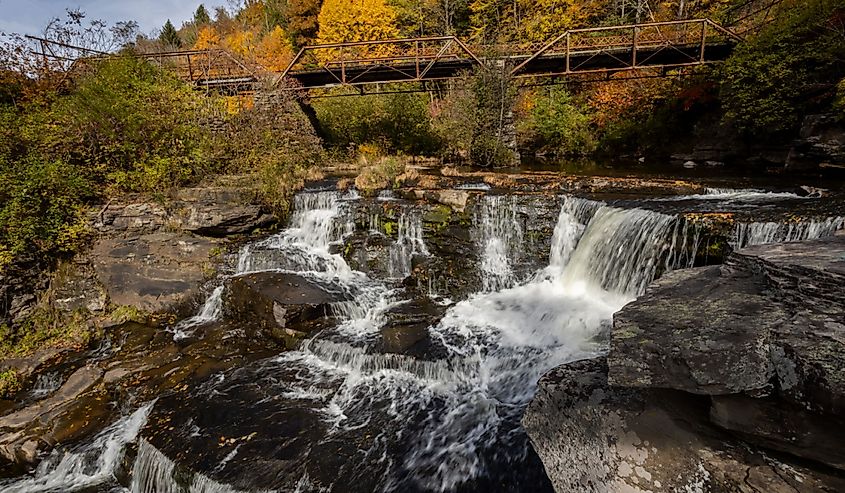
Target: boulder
[
  {"x": 156, "y": 273},
  {"x": 703, "y": 331},
  {"x": 593, "y": 437},
  {"x": 287, "y": 305},
  {"x": 220, "y": 211},
  {"x": 407, "y": 324}
]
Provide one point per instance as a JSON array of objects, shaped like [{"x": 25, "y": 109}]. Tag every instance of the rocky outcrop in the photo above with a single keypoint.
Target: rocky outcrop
[
  {"x": 24, "y": 433},
  {"x": 821, "y": 142},
  {"x": 595, "y": 437},
  {"x": 155, "y": 272},
  {"x": 288, "y": 306},
  {"x": 706, "y": 360}
]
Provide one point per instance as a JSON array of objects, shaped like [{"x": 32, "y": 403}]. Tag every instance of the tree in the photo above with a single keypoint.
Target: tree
[
  {"x": 169, "y": 36},
  {"x": 275, "y": 51},
  {"x": 357, "y": 20},
  {"x": 302, "y": 17},
  {"x": 201, "y": 16},
  {"x": 207, "y": 38}
]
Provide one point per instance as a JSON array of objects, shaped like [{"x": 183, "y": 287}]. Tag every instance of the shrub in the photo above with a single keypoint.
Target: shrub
[
  {"x": 397, "y": 123},
  {"x": 379, "y": 173},
  {"x": 556, "y": 123},
  {"x": 41, "y": 211}
]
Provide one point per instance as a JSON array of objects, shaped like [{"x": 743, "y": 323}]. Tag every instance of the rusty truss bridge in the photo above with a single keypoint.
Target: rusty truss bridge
[{"x": 603, "y": 52}]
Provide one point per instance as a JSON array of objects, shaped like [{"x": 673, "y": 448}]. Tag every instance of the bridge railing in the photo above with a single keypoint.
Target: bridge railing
[
  {"x": 416, "y": 56},
  {"x": 632, "y": 46},
  {"x": 202, "y": 66}
]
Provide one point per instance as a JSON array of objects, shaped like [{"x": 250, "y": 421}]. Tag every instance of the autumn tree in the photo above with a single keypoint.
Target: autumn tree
[
  {"x": 357, "y": 20},
  {"x": 274, "y": 52},
  {"x": 169, "y": 37},
  {"x": 207, "y": 38},
  {"x": 539, "y": 20},
  {"x": 302, "y": 19}
]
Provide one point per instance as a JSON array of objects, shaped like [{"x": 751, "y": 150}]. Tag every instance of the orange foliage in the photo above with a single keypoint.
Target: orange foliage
[
  {"x": 275, "y": 51},
  {"x": 207, "y": 38}
]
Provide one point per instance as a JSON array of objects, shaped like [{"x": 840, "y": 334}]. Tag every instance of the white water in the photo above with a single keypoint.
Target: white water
[
  {"x": 455, "y": 418},
  {"x": 734, "y": 195},
  {"x": 497, "y": 345},
  {"x": 409, "y": 242},
  {"x": 46, "y": 384},
  {"x": 749, "y": 234},
  {"x": 499, "y": 236},
  {"x": 87, "y": 466}
]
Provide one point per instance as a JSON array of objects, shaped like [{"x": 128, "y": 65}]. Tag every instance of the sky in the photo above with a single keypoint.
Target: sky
[{"x": 30, "y": 16}]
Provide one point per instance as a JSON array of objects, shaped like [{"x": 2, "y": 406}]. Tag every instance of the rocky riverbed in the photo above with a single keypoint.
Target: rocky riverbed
[{"x": 392, "y": 343}]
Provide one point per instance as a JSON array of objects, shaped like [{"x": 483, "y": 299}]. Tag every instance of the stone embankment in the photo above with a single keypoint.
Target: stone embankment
[{"x": 719, "y": 378}]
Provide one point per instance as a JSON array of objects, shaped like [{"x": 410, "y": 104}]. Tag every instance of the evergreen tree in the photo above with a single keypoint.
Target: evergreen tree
[
  {"x": 201, "y": 16},
  {"x": 169, "y": 36}
]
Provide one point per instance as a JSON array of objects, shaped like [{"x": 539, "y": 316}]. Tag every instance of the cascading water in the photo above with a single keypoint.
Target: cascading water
[
  {"x": 409, "y": 242},
  {"x": 749, "y": 234},
  {"x": 446, "y": 418},
  {"x": 499, "y": 236}
]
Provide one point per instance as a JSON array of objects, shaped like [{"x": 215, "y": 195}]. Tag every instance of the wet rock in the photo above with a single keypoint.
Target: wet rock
[
  {"x": 24, "y": 432},
  {"x": 702, "y": 331},
  {"x": 287, "y": 305},
  {"x": 594, "y": 437},
  {"x": 155, "y": 273},
  {"x": 456, "y": 199},
  {"x": 407, "y": 324}
]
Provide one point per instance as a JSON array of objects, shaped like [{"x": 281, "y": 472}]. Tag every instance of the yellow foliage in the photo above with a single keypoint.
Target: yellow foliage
[
  {"x": 275, "y": 50},
  {"x": 357, "y": 20},
  {"x": 207, "y": 38},
  {"x": 236, "y": 104},
  {"x": 544, "y": 19},
  {"x": 241, "y": 43}
]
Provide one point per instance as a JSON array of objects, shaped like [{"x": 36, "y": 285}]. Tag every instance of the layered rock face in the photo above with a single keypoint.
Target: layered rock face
[{"x": 720, "y": 378}]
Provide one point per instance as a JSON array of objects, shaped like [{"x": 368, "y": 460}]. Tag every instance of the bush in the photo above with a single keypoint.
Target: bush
[
  {"x": 558, "y": 124},
  {"x": 41, "y": 212},
  {"x": 397, "y": 123},
  {"x": 379, "y": 173},
  {"x": 471, "y": 120}
]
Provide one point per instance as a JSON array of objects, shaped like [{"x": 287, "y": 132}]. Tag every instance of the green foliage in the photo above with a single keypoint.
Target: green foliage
[
  {"x": 471, "y": 121},
  {"x": 169, "y": 36},
  {"x": 201, "y": 16},
  {"x": 394, "y": 122},
  {"x": 558, "y": 124},
  {"x": 46, "y": 327},
  {"x": 767, "y": 82},
  {"x": 41, "y": 208},
  {"x": 10, "y": 382}
]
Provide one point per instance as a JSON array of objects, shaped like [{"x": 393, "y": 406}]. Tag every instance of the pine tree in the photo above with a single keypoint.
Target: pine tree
[
  {"x": 169, "y": 36},
  {"x": 201, "y": 16}
]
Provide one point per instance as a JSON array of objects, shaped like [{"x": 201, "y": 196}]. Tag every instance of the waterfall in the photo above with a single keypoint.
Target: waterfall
[
  {"x": 734, "y": 195},
  {"x": 46, "y": 384},
  {"x": 86, "y": 466},
  {"x": 448, "y": 414},
  {"x": 409, "y": 242},
  {"x": 749, "y": 234},
  {"x": 154, "y": 472},
  {"x": 499, "y": 236}
]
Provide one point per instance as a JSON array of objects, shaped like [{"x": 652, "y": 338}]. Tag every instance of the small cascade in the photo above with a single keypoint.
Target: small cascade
[
  {"x": 575, "y": 213},
  {"x": 209, "y": 312},
  {"x": 734, "y": 196},
  {"x": 622, "y": 251},
  {"x": 499, "y": 236},
  {"x": 749, "y": 234},
  {"x": 87, "y": 466},
  {"x": 46, "y": 384},
  {"x": 409, "y": 242},
  {"x": 153, "y": 472}
]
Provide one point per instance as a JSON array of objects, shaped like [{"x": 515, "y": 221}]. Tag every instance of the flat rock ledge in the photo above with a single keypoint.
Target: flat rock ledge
[{"x": 721, "y": 378}]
